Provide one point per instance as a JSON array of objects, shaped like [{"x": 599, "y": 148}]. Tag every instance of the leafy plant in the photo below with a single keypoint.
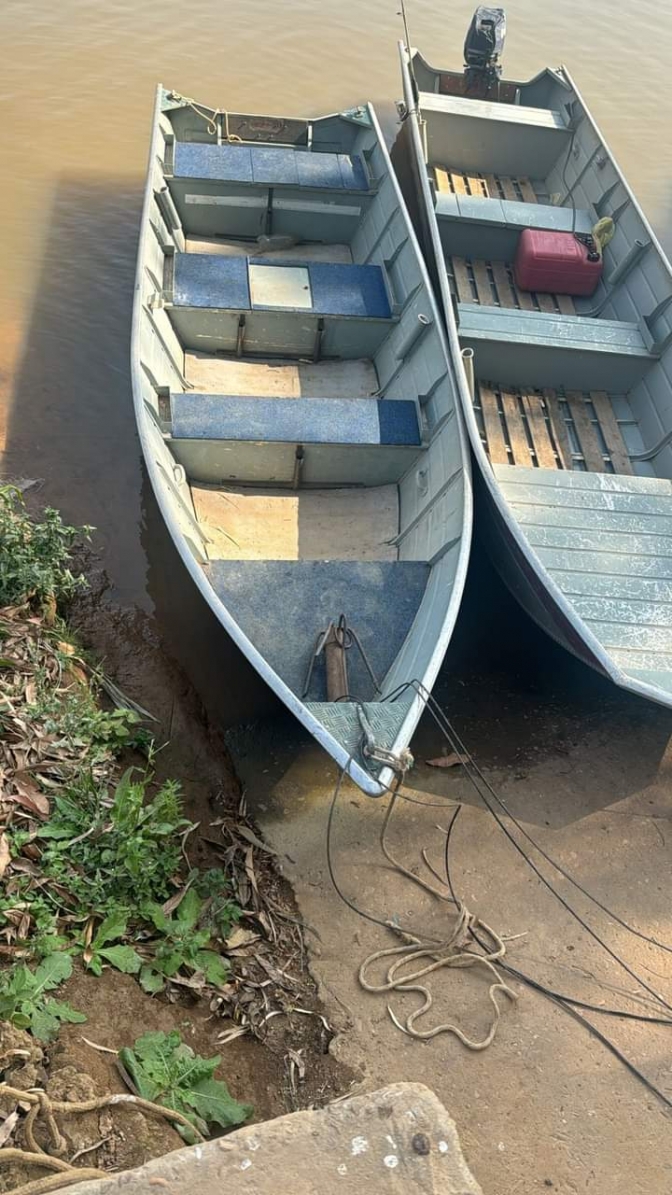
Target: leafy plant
[
  {"x": 118, "y": 855},
  {"x": 105, "y": 947},
  {"x": 24, "y": 1002},
  {"x": 168, "y": 1072},
  {"x": 221, "y": 912},
  {"x": 35, "y": 556},
  {"x": 74, "y": 715},
  {"x": 182, "y": 945}
]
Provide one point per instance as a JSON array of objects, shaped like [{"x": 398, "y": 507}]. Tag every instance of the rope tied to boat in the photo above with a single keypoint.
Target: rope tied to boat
[
  {"x": 209, "y": 115},
  {"x": 451, "y": 953},
  {"x": 420, "y": 956}
]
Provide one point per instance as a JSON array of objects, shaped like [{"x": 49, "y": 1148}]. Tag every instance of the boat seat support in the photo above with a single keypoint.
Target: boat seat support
[
  {"x": 533, "y": 348},
  {"x": 340, "y": 441}
]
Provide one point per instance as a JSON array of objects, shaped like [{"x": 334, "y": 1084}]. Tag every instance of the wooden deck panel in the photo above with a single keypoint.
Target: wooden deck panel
[
  {"x": 494, "y": 432},
  {"x": 559, "y": 426},
  {"x": 505, "y": 292},
  {"x": 484, "y": 186},
  {"x": 532, "y": 427},
  {"x": 590, "y": 446},
  {"x": 544, "y": 449},
  {"x": 520, "y": 448}
]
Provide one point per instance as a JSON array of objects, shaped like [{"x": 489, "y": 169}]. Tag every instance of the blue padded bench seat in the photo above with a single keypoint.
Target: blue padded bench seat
[
  {"x": 295, "y": 420},
  {"x": 270, "y": 166},
  {"x": 216, "y": 282},
  {"x": 533, "y": 348},
  {"x": 511, "y": 214}
]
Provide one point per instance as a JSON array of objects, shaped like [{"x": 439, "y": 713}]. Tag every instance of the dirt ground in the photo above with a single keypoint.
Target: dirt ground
[{"x": 587, "y": 770}]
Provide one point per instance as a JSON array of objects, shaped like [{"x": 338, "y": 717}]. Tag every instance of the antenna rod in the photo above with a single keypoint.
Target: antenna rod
[{"x": 407, "y": 38}]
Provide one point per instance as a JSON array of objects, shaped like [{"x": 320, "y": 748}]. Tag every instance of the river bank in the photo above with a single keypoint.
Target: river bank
[{"x": 180, "y": 898}]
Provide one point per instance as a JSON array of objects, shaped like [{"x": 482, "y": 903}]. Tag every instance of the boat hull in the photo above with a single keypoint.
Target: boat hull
[
  {"x": 586, "y": 559},
  {"x": 204, "y": 311}
]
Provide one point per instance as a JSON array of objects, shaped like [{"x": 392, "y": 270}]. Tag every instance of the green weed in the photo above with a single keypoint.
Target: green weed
[
  {"x": 168, "y": 1072},
  {"x": 24, "y": 1000},
  {"x": 182, "y": 945},
  {"x": 114, "y": 855},
  {"x": 35, "y": 557}
]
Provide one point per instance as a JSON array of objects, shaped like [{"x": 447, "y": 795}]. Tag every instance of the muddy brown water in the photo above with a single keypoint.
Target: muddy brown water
[{"x": 77, "y": 85}]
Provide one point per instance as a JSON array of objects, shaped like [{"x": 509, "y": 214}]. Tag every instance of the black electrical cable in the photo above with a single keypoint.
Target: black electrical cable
[
  {"x": 346, "y": 899},
  {"x": 389, "y": 924},
  {"x": 456, "y": 743},
  {"x": 535, "y": 983},
  {"x": 566, "y": 1003},
  {"x": 471, "y": 768},
  {"x": 549, "y": 858}
]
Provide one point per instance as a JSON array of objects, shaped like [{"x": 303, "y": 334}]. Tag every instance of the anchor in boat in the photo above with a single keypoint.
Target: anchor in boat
[{"x": 333, "y": 644}]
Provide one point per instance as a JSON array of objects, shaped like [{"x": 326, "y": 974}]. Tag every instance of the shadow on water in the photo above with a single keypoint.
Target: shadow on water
[{"x": 71, "y": 423}]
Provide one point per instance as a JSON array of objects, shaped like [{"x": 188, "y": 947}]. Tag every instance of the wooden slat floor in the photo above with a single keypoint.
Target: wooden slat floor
[
  {"x": 491, "y": 284},
  {"x": 484, "y": 186},
  {"x": 551, "y": 429}
]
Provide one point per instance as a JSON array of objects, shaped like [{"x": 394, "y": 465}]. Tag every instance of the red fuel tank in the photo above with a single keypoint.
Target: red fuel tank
[{"x": 554, "y": 262}]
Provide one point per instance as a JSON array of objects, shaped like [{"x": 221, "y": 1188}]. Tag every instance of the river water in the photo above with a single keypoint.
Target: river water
[{"x": 76, "y": 90}]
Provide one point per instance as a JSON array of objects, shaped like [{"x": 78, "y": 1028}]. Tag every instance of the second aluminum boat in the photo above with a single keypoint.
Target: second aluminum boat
[{"x": 567, "y": 399}]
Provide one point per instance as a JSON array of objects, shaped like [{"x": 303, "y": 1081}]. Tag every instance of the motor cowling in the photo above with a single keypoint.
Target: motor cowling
[{"x": 484, "y": 43}]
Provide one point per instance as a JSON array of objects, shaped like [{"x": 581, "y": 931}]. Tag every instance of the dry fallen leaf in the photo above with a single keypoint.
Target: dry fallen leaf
[
  {"x": 447, "y": 761},
  {"x": 174, "y": 901},
  {"x": 5, "y": 855},
  {"x": 29, "y": 794},
  {"x": 251, "y": 837},
  {"x": 241, "y": 937},
  {"x": 8, "y": 1126}
]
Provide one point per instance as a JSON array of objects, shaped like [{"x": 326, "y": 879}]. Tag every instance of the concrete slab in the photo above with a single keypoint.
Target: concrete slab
[{"x": 396, "y": 1140}]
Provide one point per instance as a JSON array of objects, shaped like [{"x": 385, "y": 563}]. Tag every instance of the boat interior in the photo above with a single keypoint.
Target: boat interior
[
  {"x": 298, "y": 397},
  {"x": 572, "y": 396}
]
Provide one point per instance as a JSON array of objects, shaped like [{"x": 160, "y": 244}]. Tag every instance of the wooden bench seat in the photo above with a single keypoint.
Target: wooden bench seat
[
  {"x": 479, "y": 136},
  {"x": 372, "y": 421},
  {"x": 549, "y": 429},
  {"x": 250, "y": 190},
  {"x": 472, "y": 226},
  {"x": 242, "y": 283},
  {"x": 290, "y": 308}
]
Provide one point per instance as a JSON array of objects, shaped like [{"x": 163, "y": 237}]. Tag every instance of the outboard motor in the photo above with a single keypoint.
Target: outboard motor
[{"x": 483, "y": 46}]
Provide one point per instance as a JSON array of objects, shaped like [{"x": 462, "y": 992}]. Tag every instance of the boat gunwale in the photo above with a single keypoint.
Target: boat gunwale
[
  {"x": 609, "y": 667},
  {"x": 370, "y": 785}
]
